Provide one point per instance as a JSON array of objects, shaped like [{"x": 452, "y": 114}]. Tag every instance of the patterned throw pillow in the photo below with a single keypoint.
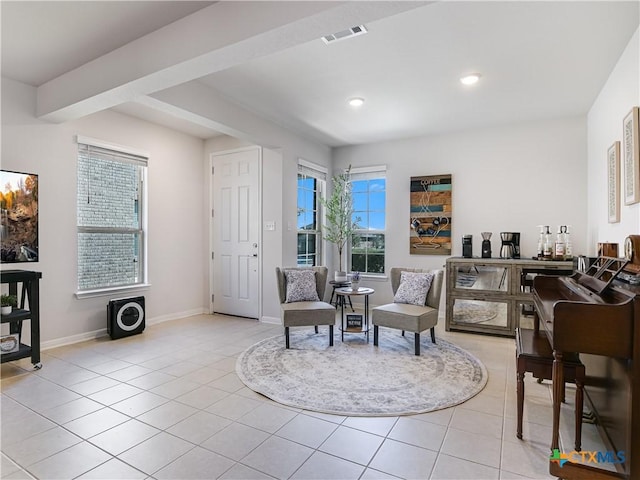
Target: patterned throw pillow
[
  {"x": 301, "y": 286},
  {"x": 413, "y": 288}
]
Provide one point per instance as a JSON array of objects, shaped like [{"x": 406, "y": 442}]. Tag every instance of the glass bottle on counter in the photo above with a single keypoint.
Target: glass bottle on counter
[
  {"x": 548, "y": 244},
  {"x": 561, "y": 243},
  {"x": 540, "y": 252}
]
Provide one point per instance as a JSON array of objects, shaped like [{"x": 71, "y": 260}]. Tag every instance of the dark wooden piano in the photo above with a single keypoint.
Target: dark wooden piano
[{"x": 598, "y": 316}]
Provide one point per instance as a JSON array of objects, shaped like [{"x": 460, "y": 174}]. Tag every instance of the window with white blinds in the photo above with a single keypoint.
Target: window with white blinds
[{"x": 111, "y": 216}]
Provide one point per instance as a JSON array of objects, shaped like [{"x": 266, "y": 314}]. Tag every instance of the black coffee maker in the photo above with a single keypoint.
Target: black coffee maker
[
  {"x": 486, "y": 244},
  {"x": 467, "y": 246},
  {"x": 510, "y": 245}
]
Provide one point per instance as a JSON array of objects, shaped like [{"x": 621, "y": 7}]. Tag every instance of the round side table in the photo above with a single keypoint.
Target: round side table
[
  {"x": 339, "y": 298},
  {"x": 347, "y": 292}
]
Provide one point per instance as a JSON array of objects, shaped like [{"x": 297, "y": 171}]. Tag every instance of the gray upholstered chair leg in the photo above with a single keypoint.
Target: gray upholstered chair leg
[
  {"x": 331, "y": 335},
  {"x": 433, "y": 334},
  {"x": 286, "y": 337},
  {"x": 416, "y": 340},
  {"x": 375, "y": 335}
]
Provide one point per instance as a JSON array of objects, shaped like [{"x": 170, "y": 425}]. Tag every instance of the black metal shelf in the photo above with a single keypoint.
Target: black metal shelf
[
  {"x": 23, "y": 352},
  {"x": 16, "y": 315},
  {"x": 29, "y": 309}
]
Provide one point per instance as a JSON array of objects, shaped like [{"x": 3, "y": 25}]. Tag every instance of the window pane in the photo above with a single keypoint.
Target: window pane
[
  {"x": 311, "y": 244},
  {"x": 375, "y": 263},
  {"x": 359, "y": 186},
  {"x": 377, "y": 185},
  {"x": 310, "y": 206},
  {"x": 303, "y": 220},
  {"x": 374, "y": 241},
  {"x": 360, "y": 218},
  {"x": 376, "y": 221},
  {"x": 377, "y": 201},
  {"x": 359, "y": 263},
  {"x": 360, "y": 201},
  {"x": 367, "y": 252},
  {"x": 305, "y": 182},
  {"x": 307, "y": 249},
  {"x": 108, "y": 260},
  {"x": 107, "y": 193}
]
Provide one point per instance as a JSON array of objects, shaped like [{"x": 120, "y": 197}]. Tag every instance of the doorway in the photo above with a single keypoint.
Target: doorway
[{"x": 235, "y": 232}]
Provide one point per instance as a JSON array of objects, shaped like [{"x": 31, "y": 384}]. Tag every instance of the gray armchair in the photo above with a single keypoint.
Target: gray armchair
[
  {"x": 412, "y": 318},
  {"x": 305, "y": 314}
]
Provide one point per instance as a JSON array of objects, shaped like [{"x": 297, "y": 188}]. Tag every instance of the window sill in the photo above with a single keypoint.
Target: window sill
[
  {"x": 379, "y": 278},
  {"x": 101, "y": 292}
]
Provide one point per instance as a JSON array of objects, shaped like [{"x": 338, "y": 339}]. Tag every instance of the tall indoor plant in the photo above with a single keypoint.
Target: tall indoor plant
[{"x": 340, "y": 224}]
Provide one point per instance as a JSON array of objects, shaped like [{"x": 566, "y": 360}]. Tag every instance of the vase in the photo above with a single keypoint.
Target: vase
[
  {"x": 340, "y": 276},
  {"x": 6, "y": 310},
  {"x": 355, "y": 285}
]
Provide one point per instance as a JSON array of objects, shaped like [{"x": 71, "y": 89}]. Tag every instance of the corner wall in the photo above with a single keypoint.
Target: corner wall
[
  {"x": 604, "y": 126},
  {"x": 175, "y": 191}
]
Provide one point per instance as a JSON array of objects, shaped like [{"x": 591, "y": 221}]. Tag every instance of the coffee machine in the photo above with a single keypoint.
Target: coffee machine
[
  {"x": 486, "y": 244},
  {"x": 467, "y": 246},
  {"x": 510, "y": 245}
]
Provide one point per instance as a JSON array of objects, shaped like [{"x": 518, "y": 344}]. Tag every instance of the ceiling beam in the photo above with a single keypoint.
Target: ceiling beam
[
  {"x": 200, "y": 104},
  {"x": 210, "y": 40}
]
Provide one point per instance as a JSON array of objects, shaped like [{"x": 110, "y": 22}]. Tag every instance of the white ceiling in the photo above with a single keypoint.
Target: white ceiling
[{"x": 538, "y": 60}]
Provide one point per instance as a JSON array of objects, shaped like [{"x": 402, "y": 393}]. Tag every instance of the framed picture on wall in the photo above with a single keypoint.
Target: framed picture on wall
[
  {"x": 613, "y": 182},
  {"x": 430, "y": 215},
  {"x": 18, "y": 216},
  {"x": 631, "y": 149}
]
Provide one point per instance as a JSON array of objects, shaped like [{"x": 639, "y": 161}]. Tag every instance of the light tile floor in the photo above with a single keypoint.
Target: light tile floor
[{"x": 167, "y": 404}]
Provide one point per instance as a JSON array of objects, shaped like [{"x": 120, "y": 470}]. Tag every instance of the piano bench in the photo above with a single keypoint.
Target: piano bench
[{"x": 534, "y": 355}]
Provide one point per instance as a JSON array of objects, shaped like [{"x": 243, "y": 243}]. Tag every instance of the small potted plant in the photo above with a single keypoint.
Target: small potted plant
[
  {"x": 8, "y": 302},
  {"x": 355, "y": 280}
]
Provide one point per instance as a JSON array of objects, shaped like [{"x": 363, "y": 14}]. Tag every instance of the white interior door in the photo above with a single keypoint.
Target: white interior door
[{"x": 235, "y": 232}]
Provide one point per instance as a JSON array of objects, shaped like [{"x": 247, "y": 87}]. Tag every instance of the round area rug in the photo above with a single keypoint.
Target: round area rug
[
  {"x": 472, "y": 311},
  {"x": 355, "y": 378}
]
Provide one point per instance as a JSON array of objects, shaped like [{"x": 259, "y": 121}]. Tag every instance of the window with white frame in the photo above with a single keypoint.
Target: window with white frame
[
  {"x": 369, "y": 210},
  {"x": 110, "y": 216},
  {"x": 311, "y": 184}
]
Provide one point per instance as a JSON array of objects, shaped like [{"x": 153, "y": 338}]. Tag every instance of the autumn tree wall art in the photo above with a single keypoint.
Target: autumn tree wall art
[{"x": 18, "y": 217}]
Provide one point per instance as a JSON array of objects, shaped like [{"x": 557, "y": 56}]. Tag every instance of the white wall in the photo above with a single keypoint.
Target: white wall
[
  {"x": 504, "y": 179},
  {"x": 619, "y": 94},
  {"x": 175, "y": 193}
]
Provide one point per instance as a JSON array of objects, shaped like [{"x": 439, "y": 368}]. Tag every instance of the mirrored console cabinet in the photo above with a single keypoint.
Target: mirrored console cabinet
[{"x": 493, "y": 295}]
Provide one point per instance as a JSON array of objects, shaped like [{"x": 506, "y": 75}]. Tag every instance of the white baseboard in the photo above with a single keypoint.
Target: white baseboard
[
  {"x": 176, "y": 316},
  {"x": 82, "y": 337},
  {"x": 274, "y": 320}
]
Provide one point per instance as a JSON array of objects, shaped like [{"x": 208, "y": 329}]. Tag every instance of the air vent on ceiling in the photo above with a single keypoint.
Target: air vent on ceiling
[{"x": 349, "y": 33}]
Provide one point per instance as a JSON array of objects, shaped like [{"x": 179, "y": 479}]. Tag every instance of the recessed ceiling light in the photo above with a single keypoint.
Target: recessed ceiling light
[
  {"x": 470, "y": 79},
  {"x": 356, "y": 102}
]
